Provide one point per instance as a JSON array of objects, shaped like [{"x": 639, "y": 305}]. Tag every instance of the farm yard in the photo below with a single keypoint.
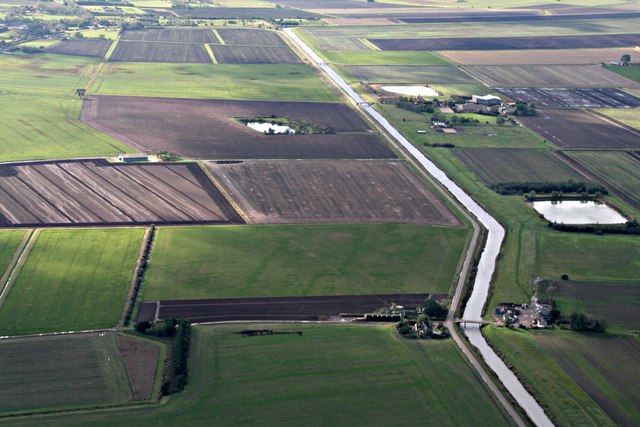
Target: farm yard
[
  {"x": 539, "y": 57},
  {"x": 88, "y": 47},
  {"x": 502, "y": 165},
  {"x": 228, "y": 54},
  {"x": 619, "y": 169},
  {"x": 573, "y": 97},
  {"x": 208, "y": 129},
  {"x": 135, "y": 51},
  {"x": 432, "y": 74},
  {"x": 302, "y": 260},
  {"x": 95, "y": 192},
  {"x": 72, "y": 280},
  {"x": 284, "y": 308},
  {"x": 509, "y": 43},
  {"x": 331, "y": 191},
  {"x": 616, "y": 302},
  {"x": 558, "y": 127},
  {"x": 549, "y": 75},
  {"x": 63, "y": 372}
]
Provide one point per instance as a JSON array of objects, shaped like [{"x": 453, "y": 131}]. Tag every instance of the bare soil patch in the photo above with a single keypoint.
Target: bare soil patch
[
  {"x": 173, "y": 35},
  {"x": 501, "y": 165},
  {"x": 208, "y": 128},
  {"x": 550, "y": 75},
  {"x": 283, "y": 308},
  {"x": 141, "y": 359},
  {"x": 573, "y": 97},
  {"x": 502, "y": 43},
  {"x": 244, "y": 13},
  {"x": 228, "y": 54},
  {"x": 541, "y": 57},
  {"x": 581, "y": 129},
  {"x": 331, "y": 191},
  {"x": 96, "y": 192},
  {"x": 250, "y": 37},
  {"x": 89, "y": 47},
  {"x": 138, "y": 51}
]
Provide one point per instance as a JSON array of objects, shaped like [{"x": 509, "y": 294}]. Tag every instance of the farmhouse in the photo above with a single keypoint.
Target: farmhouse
[{"x": 486, "y": 100}]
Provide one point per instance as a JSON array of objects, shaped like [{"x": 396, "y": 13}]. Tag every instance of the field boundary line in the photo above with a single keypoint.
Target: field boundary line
[
  {"x": 134, "y": 287},
  {"x": 17, "y": 262},
  {"x": 368, "y": 44},
  {"x": 225, "y": 194},
  {"x": 210, "y": 52},
  {"x": 218, "y": 36},
  {"x": 112, "y": 48}
]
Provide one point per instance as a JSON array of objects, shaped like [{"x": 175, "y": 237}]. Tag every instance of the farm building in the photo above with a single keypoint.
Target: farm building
[
  {"x": 131, "y": 158},
  {"x": 486, "y": 100}
]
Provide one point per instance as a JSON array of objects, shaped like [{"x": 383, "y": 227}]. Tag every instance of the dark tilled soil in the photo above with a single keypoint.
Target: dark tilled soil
[
  {"x": 580, "y": 129},
  {"x": 141, "y": 359},
  {"x": 94, "y": 48},
  {"x": 501, "y": 43},
  {"x": 573, "y": 97},
  {"x": 207, "y": 129},
  {"x": 319, "y": 191},
  {"x": 286, "y": 308},
  {"x": 96, "y": 192}
]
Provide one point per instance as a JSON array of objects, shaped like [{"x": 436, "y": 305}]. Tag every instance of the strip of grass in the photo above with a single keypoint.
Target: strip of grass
[
  {"x": 284, "y": 260},
  {"x": 331, "y": 375},
  {"x": 630, "y": 117},
  {"x": 588, "y": 257},
  {"x": 72, "y": 280},
  {"x": 271, "y": 82},
  {"x": 378, "y": 57},
  {"x": 9, "y": 241}
]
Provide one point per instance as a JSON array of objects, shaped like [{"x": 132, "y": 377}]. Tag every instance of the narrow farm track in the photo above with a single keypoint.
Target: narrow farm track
[
  {"x": 15, "y": 266},
  {"x": 486, "y": 266}
]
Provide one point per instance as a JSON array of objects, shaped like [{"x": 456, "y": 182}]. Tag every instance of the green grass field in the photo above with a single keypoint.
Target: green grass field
[
  {"x": 588, "y": 257},
  {"x": 61, "y": 371},
  {"x": 379, "y": 57},
  {"x": 582, "y": 379},
  {"x": 229, "y": 81},
  {"x": 292, "y": 260},
  {"x": 72, "y": 280},
  {"x": 9, "y": 241},
  {"x": 630, "y": 72},
  {"x": 41, "y": 113},
  {"x": 331, "y": 375}
]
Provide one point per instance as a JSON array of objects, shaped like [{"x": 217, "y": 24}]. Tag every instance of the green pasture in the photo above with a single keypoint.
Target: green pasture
[
  {"x": 330, "y": 375},
  {"x": 41, "y": 112},
  {"x": 302, "y": 260},
  {"x": 628, "y": 116},
  {"x": 580, "y": 378},
  {"x": 588, "y": 257},
  {"x": 9, "y": 241},
  {"x": 379, "y": 57},
  {"x": 631, "y": 72},
  {"x": 72, "y": 280},
  {"x": 277, "y": 82}
]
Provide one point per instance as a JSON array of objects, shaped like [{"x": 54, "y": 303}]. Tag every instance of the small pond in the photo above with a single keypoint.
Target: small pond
[
  {"x": 264, "y": 127},
  {"x": 411, "y": 90},
  {"x": 578, "y": 212}
]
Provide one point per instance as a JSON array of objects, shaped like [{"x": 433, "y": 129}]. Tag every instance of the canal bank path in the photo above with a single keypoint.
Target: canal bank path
[{"x": 487, "y": 263}]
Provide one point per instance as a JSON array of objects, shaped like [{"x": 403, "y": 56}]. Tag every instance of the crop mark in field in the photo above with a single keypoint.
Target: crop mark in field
[
  {"x": 218, "y": 37},
  {"x": 17, "y": 262}
]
